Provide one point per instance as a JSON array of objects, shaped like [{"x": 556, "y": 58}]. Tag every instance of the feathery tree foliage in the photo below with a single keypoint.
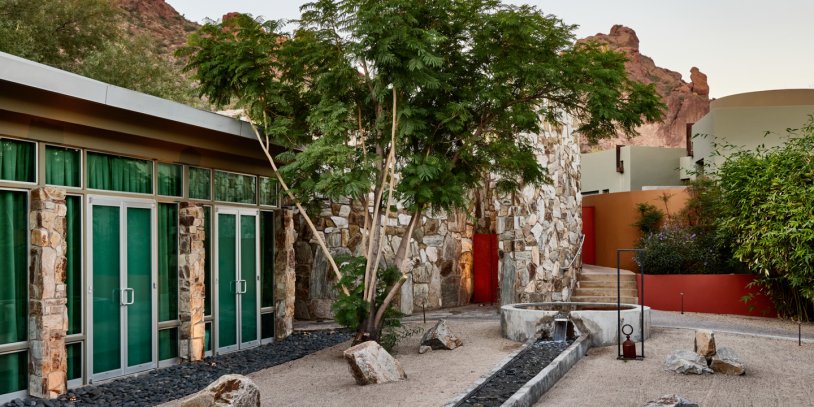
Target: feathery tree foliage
[
  {"x": 88, "y": 37},
  {"x": 440, "y": 92}
]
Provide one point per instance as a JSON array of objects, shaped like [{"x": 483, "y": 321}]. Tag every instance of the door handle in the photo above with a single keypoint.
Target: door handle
[
  {"x": 124, "y": 297},
  {"x": 241, "y": 286}
]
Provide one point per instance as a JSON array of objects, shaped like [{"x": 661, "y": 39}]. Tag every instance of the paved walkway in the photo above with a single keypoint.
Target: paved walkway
[{"x": 735, "y": 324}]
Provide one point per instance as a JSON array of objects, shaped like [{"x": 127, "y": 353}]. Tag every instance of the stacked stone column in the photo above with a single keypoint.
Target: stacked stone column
[
  {"x": 284, "y": 273},
  {"x": 191, "y": 256},
  {"x": 48, "y": 312}
]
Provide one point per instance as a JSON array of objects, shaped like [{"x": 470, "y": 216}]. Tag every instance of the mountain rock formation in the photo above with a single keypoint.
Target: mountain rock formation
[
  {"x": 158, "y": 20},
  {"x": 686, "y": 102}
]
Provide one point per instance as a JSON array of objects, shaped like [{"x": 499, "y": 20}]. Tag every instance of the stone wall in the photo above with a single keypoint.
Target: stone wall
[
  {"x": 191, "y": 256},
  {"x": 284, "y": 273},
  {"x": 538, "y": 233},
  {"x": 48, "y": 313}
]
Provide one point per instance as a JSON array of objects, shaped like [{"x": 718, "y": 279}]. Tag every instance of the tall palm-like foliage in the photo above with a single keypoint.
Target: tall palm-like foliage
[{"x": 438, "y": 92}]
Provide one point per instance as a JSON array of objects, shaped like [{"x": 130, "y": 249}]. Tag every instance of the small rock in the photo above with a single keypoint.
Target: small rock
[
  {"x": 726, "y": 361},
  {"x": 228, "y": 390},
  {"x": 369, "y": 363},
  {"x": 671, "y": 400},
  {"x": 424, "y": 349},
  {"x": 686, "y": 362},
  {"x": 440, "y": 337},
  {"x": 705, "y": 343}
]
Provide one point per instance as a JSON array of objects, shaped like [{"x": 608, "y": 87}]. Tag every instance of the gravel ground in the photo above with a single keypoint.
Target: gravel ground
[
  {"x": 778, "y": 373},
  {"x": 433, "y": 379},
  {"x": 170, "y": 383},
  {"x": 733, "y": 324}
]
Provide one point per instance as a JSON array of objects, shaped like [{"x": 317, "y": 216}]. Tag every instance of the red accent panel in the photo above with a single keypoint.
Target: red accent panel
[
  {"x": 588, "y": 229},
  {"x": 485, "y": 268},
  {"x": 708, "y": 293}
]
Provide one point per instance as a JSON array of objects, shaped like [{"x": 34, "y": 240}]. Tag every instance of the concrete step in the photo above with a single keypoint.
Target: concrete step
[
  {"x": 608, "y": 299},
  {"x": 606, "y": 284},
  {"x": 605, "y": 292},
  {"x": 607, "y": 277}
]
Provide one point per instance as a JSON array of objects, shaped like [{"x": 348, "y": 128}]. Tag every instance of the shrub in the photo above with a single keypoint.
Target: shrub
[
  {"x": 650, "y": 218},
  {"x": 676, "y": 250}
]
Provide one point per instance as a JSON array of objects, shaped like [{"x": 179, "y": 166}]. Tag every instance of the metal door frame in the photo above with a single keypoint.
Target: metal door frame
[
  {"x": 123, "y": 204},
  {"x": 237, "y": 212}
]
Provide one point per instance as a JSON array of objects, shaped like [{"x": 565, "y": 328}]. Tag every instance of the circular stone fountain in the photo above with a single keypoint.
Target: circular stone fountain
[{"x": 519, "y": 322}]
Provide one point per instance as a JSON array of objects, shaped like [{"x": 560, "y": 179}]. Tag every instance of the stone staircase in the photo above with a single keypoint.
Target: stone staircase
[{"x": 598, "y": 284}]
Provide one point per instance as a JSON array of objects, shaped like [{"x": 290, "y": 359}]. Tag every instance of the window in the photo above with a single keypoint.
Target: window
[
  {"x": 208, "y": 261},
  {"x": 18, "y": 160},
  {"x": 268, "y": 191},
  {"x": 167, "y": 262},
  {"x": 63, "y": 166},
  {"x": 238, "y": 188},
  {"x": 114, "y": 173},
  {"x": 170, "y": 179},
  {"x": 168, "y": 344},
  {"x": 13, "y": 287},
  {"x": 267, "y": 250},
  {"x": 200, "y": 183},
  {"x": 73, "y": 267}
]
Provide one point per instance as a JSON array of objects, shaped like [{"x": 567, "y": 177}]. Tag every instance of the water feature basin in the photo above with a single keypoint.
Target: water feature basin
[{"x": 519, "y": 322}]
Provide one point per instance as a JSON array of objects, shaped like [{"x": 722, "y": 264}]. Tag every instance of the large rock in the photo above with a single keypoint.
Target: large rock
[
  {"x": 686, "y": 362},
  {"x": 705, "y": 343},
  {"x": 228, "y": 390},
  {"x": 687, "y": 102},
  {"x": 671, "y": 400},
  {"x": 440, "y": 337},
  {"x": 726, "y": 361},
  {"x": 369, "y": 363}
]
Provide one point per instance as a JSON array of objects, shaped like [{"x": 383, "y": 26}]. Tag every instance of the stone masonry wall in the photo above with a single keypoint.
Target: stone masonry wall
[
  {"x": 538, "y": 234},
  {"x": 284, "y": 276},
  {"x": 48, "y": 313},
  {"x": 191, "y": 256}
]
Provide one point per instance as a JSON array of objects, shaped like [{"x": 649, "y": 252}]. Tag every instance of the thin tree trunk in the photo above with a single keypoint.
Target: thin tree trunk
[
  {"x": 401, "y": 256},
  {"x": 317, "y": 235}
]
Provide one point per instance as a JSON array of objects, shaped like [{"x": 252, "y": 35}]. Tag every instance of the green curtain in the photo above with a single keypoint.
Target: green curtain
[
  {"x": 62, "y": 166},
  {"x": 266, "y": 259},
  {"x": 13, "y": 266},
  {"x": 168, "y": 344},
  {"x": 268, "y": 191},
  {"x": 123, "y": 174},
  {"x": 167, "y": 262},
  {"x": 73, "y": 270},
  {"x": 170, "y": 178},
  {"x": 13, "y": 372},
  {"x": 200, "y": 183},
  {"x": 18, "y": 160},
  {"x": 208, "y": 260},
  {"x": 74, "y": 355},
  {"x": 237, "y": 188}
]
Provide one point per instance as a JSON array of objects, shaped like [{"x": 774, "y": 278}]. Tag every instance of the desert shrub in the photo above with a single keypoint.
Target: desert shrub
[
  {"x": 676, "y": 250},
  {"x": 650, "y": 218},
  {"x": 351, "y": 310}
]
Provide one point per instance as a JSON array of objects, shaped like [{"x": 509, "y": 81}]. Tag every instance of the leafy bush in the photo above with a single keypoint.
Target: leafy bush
[
  {"x": 676, "y": 250},
  {"x": 650, "y": 218},
  {"x": 351, "y": 310},
  {"x": 768, "y": 210}
]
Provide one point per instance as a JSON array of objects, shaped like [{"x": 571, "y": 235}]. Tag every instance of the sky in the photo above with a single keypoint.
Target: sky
[{"x": 742, "y": 46}]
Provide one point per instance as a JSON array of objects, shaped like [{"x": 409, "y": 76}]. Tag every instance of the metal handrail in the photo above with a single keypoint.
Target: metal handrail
[{"x": 578, "y": 252}]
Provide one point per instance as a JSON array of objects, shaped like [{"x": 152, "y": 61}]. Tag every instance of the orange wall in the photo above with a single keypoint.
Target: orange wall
[
  {"x": 614, "y": 216},
  {"x": 709, "y": 293}
]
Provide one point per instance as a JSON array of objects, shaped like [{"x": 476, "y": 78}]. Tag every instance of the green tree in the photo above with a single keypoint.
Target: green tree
[
  {"x": 768, "y": 212},
  {"x": 88, "y": 37},
  {"x": 440, "y": 92}
]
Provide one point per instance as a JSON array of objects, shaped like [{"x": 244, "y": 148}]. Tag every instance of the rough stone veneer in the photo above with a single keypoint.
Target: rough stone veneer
[
  {"x": 191, "y": 256},
  {"x": 538, "y": 231},
  {"x": 48, "y": 313},
  {"x": 284, "y": 275}
]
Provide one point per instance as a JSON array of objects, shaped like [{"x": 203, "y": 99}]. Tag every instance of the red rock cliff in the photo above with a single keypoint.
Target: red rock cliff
[{"x": 686, "y": 102}]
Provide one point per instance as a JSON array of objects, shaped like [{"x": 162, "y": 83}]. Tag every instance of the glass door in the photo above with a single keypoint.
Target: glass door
[
  {"x": 236, "y": 279},
  {"x": 122, "y": 267}
]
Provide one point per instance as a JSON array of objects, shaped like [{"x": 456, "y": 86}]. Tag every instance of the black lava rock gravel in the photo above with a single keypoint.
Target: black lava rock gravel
[
  {"x": 515, "y": 374},
  {"x": 162, "y": 385}
]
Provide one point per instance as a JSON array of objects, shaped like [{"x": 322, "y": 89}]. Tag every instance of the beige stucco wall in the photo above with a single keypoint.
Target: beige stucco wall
[
  {"x": 744, "y": 119},
  {"x": 644, "y": 166}
]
